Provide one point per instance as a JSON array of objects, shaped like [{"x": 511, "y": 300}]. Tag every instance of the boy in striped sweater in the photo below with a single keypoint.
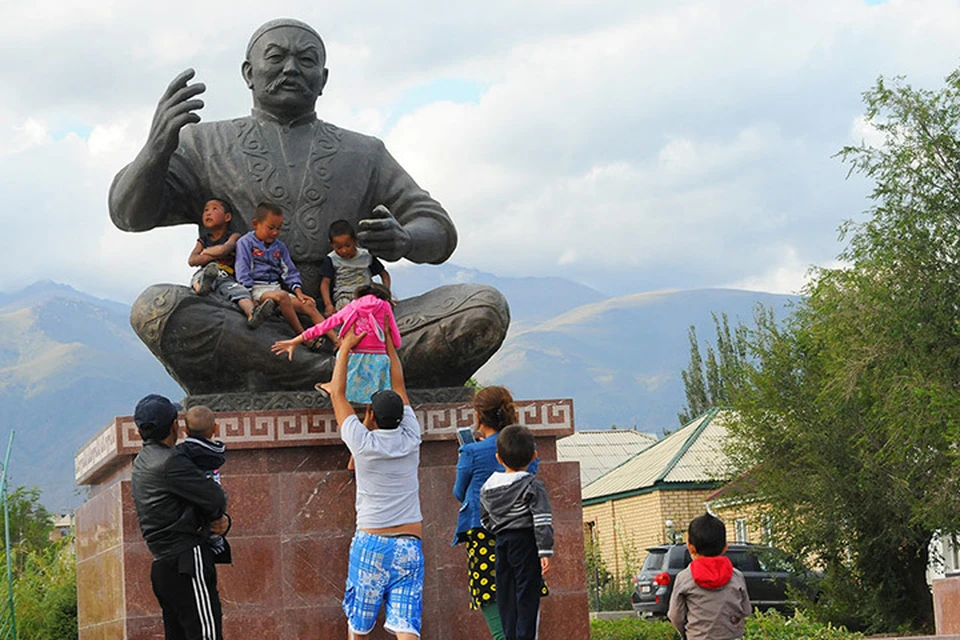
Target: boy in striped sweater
[{"x": 514, "y": 507}]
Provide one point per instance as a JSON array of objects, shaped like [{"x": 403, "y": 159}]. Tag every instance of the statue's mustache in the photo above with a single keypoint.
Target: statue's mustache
[{"x": 275, "y": 86}]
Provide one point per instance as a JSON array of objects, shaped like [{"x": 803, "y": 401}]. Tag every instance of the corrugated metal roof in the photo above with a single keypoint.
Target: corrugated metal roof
[
  {"x": 600, "y": 451},
  {"x": 692, "y": 454}
]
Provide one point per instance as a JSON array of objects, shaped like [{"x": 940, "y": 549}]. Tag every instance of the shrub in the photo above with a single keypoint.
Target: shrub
[
  {"x": 606, "y": 591},
  {"x": 774, "y": 626},
  {"x": 760, "y": 626},
  {"x": 632, "y": 629},
  {"x": 45, "y": 593}
]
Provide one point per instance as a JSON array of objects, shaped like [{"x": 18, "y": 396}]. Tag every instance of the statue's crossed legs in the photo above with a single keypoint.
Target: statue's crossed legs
[{"x": 204, "y": 342}]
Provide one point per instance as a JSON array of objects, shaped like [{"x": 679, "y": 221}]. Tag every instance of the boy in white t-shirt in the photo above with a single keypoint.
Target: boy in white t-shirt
[{"x": 386, "y": 555}]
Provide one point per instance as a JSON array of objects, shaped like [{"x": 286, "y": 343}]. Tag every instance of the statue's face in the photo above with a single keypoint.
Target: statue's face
[{"x": 285, "y": 72}]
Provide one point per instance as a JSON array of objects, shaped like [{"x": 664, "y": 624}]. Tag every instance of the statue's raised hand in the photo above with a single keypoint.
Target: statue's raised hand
[
  {"x": 176, "y": 109},
  {"x": 383, "y": 236}
]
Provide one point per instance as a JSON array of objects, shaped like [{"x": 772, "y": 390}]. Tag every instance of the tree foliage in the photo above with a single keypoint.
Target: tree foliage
[
  {"x": 44, "y": 571},
  {"x": 30, "y": 522},
  {"x": 849, "y": 410},
  {"x": 712, "y": 383},
  {"x": 45, "y": 592}
]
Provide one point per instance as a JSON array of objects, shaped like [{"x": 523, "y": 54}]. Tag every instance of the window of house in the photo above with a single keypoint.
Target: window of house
[
  {"x": 951, "y": 555},
  {"x": 740, "y": 530}
]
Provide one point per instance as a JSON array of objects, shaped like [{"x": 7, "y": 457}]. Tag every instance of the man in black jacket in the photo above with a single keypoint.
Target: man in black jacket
[{"x": 177, "y": 507}]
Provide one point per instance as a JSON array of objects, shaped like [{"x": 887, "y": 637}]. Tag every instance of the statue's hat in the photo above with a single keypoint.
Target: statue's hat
[{"x": 283, "y": 22}]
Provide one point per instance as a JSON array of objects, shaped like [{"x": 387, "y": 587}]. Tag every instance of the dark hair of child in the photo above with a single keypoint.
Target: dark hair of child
[
  {"x": 264, "y": 209},
  {"x": 373, "y": 289},
  {"x": 494, "y": 407},
  {"x": 341, "y": 228},
  {"x": 226, "y": 205},
  {"x": 515, "y": 447},
  {"x": 707, "y": 534}
]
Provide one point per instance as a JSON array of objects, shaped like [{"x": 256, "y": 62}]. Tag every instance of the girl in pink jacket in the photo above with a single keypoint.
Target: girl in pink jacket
[{"x": 371, "y": 314}]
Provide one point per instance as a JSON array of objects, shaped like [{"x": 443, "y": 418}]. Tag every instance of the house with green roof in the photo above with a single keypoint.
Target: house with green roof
[
  {"x": 602, "y": 450},
  {"x": 650, "y": 498}
]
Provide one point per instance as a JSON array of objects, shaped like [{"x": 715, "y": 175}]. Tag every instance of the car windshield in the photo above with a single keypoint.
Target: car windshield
[
  {"x": 680, "y": 560},
  {"x": 654, "y": 561}
]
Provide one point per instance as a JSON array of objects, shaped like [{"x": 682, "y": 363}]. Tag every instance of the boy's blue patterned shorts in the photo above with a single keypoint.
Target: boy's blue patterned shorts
[{"x": 384, "y": 570}]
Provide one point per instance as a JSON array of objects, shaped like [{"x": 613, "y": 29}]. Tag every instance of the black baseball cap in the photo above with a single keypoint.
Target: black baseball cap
[
  {"x": 154, "y": 416},
  {"x": 387, "y": 409}
]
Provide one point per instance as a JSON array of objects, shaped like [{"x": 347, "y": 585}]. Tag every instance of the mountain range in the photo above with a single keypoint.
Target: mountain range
[{"x": 69, "y": 362}]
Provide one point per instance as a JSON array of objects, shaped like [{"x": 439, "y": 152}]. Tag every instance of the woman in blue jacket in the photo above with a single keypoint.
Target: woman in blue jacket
[{"x": 495, "y": 410}]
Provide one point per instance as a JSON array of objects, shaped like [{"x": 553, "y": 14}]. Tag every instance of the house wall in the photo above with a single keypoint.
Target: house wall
[
  {"x": 752, "y": 515},
  {"x": 624, "y": 528}
]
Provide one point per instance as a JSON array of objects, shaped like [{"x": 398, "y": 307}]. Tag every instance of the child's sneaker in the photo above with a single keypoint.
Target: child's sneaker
[
  {"x": 208, "y": 276},
  {"x": 262, "y": 311},
  {"x": 322, "y": 344}
]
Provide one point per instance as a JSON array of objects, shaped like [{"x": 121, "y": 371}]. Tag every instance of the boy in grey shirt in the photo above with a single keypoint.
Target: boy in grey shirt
[
  {"x": 514, "y": 507},
  {"x": 709, "y": 600}
]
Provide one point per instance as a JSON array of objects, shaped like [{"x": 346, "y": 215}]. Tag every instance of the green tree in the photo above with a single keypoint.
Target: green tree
[
  {"x": 849, "y": 410},
  {"x": 711, "y": 384},
  {"x": 44, "y": 571},
  {"x": 30, "y": 522}
]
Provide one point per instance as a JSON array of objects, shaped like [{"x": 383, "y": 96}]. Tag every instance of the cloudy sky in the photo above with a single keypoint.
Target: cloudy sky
[{"x": 627, "y": 145}]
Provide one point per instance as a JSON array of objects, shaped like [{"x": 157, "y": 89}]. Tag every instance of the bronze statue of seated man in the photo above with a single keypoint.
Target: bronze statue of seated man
[{"x": 317, "y": 173}]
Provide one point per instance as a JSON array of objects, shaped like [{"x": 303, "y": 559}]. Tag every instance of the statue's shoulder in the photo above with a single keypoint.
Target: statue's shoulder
[{"x": 352, "y": 139}]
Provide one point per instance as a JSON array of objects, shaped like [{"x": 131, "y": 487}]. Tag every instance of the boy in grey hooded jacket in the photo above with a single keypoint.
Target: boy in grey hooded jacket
[
  {"x": 709, "y": 599},
  {"x": 514, "y": 507}
]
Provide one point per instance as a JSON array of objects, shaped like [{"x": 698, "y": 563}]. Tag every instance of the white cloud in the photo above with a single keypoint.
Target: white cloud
[
  {"x": 20, "y": 138},
  {"x": 788, "y": 274},
  {"x": 862, "y": 131},
  {"x": 626, "y": 145}
]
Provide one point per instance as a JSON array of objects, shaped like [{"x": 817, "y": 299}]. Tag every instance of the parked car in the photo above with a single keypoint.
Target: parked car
[{"x": 765, "y": 570}]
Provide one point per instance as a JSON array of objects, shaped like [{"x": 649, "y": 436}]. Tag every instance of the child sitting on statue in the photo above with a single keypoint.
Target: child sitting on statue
[
  {"x": 265, "y": 267},
  {"x": 215, "y": 251},
  {"x": 209, "y": 455},
  {"x": 346, "y": 268}
]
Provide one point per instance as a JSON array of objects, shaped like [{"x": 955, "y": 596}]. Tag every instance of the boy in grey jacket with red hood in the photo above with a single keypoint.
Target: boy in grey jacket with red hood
[{"x": 709, "y": 600}]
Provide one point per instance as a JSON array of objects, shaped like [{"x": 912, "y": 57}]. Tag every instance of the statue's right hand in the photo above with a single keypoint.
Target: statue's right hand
[{"x": 177, "y": 108}]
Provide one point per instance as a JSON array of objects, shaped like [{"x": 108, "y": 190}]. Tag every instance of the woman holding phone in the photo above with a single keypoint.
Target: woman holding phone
[{"x": 495, "y": 410}]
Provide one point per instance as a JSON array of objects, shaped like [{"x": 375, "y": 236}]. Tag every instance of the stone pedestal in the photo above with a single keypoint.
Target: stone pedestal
[
  {"x": 946, "y": 605},
  {"x": 292, "y": 504}
]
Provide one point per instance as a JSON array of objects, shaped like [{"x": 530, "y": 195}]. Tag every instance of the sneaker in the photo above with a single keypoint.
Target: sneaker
[
  {"x": 208, "y": 276},
  {"x": 262, "y": 311},
  {"x": 327, "y": 346},
  {"x": 320, "y": 345}
]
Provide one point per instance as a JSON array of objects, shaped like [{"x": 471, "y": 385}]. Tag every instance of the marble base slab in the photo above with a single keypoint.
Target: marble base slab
[
  {"x": 946, "y": 605},
  {"x": 291, "y": 501}
]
